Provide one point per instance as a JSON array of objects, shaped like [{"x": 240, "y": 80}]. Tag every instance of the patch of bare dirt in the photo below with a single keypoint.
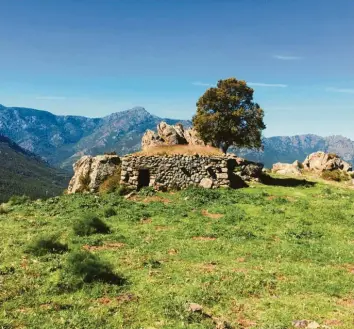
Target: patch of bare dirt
[
  {"x": 145, "y": 221},
  {"x": 161, "y": 228},
  {"x": 333, "y": 322},
  {"x": 206, "y": 213},
  {"x": 208, "y": 267},
  {"x": 124, "y": 298},
  {"x": 173, "y": 252},
  {"x": 107, "y": 246},
  {"x": 349, "y": 268},
  {"x": 346, "y": 302}
]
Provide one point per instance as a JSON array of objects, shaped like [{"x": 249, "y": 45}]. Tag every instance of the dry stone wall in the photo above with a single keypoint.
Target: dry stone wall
[{"x": 181, "y": 171}]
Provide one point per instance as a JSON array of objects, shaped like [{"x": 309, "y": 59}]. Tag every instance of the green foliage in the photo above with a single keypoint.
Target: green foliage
[
  {"x": 48, "y": 244},
  {"x": 90, "y": 224},
  {"x": 200, "y": 196},
  {"x": 147, "y": 191},
  {"x": 109, "y": 212},
  {"x": 16, "y": 200},
  {"x": 123, "y": 190},
  {"x": 335, "y": 175},
  {"x": 84, "y": 267},
  {"x": 226, "y": 116}
]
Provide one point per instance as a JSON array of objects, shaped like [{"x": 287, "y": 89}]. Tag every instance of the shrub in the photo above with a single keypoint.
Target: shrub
[
  {"x": 335, "y": 175},
  {"x": 90, "y": 224},
  {"x": 200, "y": 196},
  {"x": 109, "y": 212},
  {"x": 123, "y": 190},
  {"x": 147, "y": 191},
  {"x": 46, "y": 245},
  {"x": 111, "y": 183},
  {"x": 18, "y": 200},
  {"x": 84, "y": 267},
  {"x": 84, "y": 182}
]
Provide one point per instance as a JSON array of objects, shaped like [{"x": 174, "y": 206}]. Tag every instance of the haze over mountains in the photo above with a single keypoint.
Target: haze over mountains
[{"x": 61, "y": 140}]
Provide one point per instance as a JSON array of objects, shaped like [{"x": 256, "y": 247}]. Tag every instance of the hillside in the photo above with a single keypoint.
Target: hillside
[
  {"x": 288, "y": 149},
  {"x": 250, "y": 258},
  {"x": 62, "y": 139},
  {"x": 22, "y": 172}
]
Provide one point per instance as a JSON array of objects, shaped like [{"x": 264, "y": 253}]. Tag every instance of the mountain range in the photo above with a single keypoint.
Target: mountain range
[
  {"x": 61, "y": 140},
  {"x": 22, "y": 172}
]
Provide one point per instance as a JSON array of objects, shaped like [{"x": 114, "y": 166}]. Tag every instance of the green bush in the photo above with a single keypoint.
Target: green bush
[
  {"x": 147, "y": 191},
  {"x": 16, "y": 200},
  {"x": 83, "y": 267},
  {"x": 123, "y": 190},
  {"x": 109, "y": 212},
  {"x": 200, "y": 196},
  {"x": 90, "y": 224},
  {"x": 46, "y": 245},
  {"x": 335, "y": 175}
]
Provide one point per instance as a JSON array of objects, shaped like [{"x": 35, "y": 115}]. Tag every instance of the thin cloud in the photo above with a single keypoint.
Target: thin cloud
[
  {"x": 201, "y": 84},
  {"x": 260, "y": 84},
  {"x": 51, "y": 98},
  {"x": 340, "y": 90},
  {"x": 287, "y": 58}
]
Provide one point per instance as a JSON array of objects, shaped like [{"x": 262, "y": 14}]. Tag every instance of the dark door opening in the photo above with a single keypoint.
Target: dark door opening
[{"x": 143, "y": 178}]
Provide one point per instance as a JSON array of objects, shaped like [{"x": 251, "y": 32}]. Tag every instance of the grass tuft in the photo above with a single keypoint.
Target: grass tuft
[
  {"x": 46, "y": 245},
  {"x": 90, "y": 224},
  {"x": 84, "y": 267}
]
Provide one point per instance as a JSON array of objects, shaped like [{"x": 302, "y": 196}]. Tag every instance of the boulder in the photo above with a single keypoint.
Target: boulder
[
  {"x": 288, "y": 168},
  {"x": 90, "y": 172},
  {"x": 247, "y": 170},
  {"x": 206, "y": 183},
  {"x": 192, "y": 137},
  {"x": 170, "y": 135},
  {"x": 150, "y": 139},
  {"x": 321, "y": 161}
]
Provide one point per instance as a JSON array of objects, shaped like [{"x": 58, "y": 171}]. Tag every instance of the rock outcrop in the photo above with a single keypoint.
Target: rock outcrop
[
  {"x": 288, "y": 168},
  {"x": 321, "y": 161},
  {"x": 317, "y": 162},
  {"x": 90, "y": 172},
  {"x": 170, "y": 135}
]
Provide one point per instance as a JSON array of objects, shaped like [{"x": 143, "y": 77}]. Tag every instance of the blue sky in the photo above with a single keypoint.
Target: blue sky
[{"x": 95, "y": 57}]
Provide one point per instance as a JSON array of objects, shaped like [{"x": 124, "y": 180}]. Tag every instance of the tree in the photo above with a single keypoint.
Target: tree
[{"x": 227, "y": 116}]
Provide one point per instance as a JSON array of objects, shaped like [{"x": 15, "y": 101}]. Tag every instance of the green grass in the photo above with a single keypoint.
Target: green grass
[{"x": 260, "y": 257}]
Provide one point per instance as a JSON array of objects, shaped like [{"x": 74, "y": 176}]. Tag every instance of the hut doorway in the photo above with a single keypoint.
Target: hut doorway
[{"x": 143, "y": 178}]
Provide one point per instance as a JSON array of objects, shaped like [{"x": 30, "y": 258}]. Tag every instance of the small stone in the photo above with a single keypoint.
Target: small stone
[
  {"x": 300, "y": 323},
  {"x": 206, "y": 183},
  {"x": 313, "y": 325},
  {"x": 193, "y": 307}
]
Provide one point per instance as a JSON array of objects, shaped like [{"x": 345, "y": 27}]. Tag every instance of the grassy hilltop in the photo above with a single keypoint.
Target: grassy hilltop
[{"x": 260, "y": 257}]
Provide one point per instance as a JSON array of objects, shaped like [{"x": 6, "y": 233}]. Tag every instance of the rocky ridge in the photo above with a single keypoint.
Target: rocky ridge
[{"x": 170, "y": 135}]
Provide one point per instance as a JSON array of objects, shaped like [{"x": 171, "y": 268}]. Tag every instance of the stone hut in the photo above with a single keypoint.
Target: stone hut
[{"x": 180, "y": 171}]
